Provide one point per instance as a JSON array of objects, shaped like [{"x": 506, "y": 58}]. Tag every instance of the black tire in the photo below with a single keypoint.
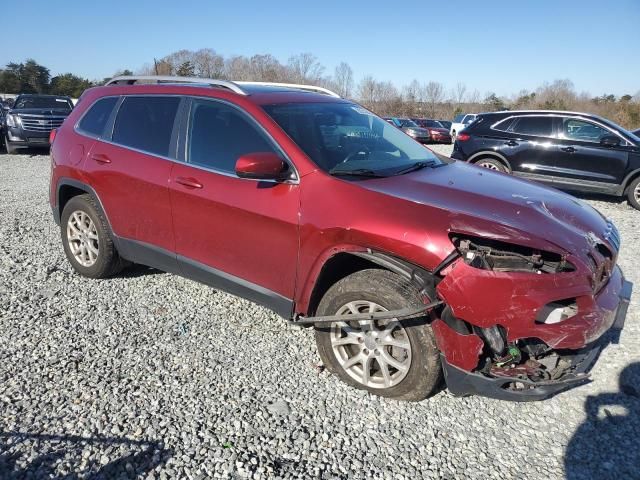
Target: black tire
[
  {"x": 633, "y": 193},
  {"x": 8, "y": 147},
  {"x": 390, "y": 291},
  {"x": 492, "y": 164},
  {"x": 108, "y": 262}
]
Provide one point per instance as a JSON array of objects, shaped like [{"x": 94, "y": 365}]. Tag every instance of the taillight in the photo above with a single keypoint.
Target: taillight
[
  {"x": 52, "y": 136},
  {"x": 463, "y": 137}
]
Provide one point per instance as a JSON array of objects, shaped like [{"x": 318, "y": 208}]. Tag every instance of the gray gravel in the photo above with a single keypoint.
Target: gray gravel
[{"x": 149, "y": 375}]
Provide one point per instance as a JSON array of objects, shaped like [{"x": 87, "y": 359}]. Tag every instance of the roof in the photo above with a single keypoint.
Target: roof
[{"x": 239, "y": 87}]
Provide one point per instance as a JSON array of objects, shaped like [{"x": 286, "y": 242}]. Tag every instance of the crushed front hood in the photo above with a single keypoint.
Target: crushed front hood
[{"x": 486, "y": 203}]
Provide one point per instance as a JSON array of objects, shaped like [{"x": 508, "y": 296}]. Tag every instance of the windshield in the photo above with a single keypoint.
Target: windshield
[
  {"x": 347, "y": 137},
  {"x": 408, "y": 123},
  {"x": 43, "y": 102},
  {"x": 433, "y": 124}
]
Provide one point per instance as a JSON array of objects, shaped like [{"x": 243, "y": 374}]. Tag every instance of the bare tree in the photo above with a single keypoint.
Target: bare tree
[
  {"x": 266, "y": 68},
  {"x": 433, "y": 95},
  {"x": 305, "y": 68},
  {"x": 343, "y": 79},
  {"x": 459, "y": 93},
  {"x": 208, "y": 64},
  {"x": 237, "y": 68}
]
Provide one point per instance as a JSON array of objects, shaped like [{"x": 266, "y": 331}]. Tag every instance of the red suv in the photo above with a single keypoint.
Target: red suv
[{"x": 408, "y": 264}]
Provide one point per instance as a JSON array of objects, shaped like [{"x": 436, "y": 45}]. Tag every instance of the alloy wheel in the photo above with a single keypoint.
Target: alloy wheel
[
  {"x": 82, "y": 237},
  {"x": 376, "y": 354},
  {"x": 636, "y": 193},
  {"x": 489, "y": 165}
]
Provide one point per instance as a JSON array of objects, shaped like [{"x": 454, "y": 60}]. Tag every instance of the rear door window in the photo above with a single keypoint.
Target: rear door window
[
  {"x": 534, "y": 126},
  {"x": 146, "y": 123},
  {"x": 95, "y": 120},
  {"x": 220, "y": 134}
]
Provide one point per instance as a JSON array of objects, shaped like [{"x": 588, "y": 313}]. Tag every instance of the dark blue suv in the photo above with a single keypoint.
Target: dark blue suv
[{"x": 567, "y": 150}]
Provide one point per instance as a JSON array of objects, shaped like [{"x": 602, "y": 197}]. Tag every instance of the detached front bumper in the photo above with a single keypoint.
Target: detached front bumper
[{"x": 576, "y": 341}]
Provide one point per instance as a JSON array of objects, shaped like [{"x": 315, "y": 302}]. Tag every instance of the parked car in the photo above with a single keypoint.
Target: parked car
[
  {"x": 446, "y": 124},
  {"x": 461, "y": 121},
  {"x": 3, "y": 110},
  {"x": 437, "y": 133},
  {"x": 31, "y": 118},
  {"x": 412, "y": 266},
  {"x": 410, "y": 128},
  {"x": 572, "y": 151}
]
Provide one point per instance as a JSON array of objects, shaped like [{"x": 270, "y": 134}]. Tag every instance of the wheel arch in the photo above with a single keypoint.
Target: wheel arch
[
  {"x": 67, "y": 189},
  {"x": 344, "y": 263},
  {"x": 490, "y": 154},
  {"x": 629, "y": 179}
]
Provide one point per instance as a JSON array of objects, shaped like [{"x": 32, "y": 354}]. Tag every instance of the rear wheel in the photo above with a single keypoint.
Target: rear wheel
[
  {"x": 392, "y": 358},
  {"x": 87, "y": 240},
  {"x": 492, "y": 164},
  {"x": 633, "y": 193}
]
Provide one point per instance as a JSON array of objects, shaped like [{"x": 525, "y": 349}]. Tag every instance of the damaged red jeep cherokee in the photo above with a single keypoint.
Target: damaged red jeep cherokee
[{"x": 407, "y": 264}]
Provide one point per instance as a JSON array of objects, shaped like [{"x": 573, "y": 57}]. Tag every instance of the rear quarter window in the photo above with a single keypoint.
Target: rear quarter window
[
  {"x": 146, "y": 123},
  {"x": 95, "y": 120},
  {"x": 503, "y": 125},
  {"x": 535, "y": 126}
]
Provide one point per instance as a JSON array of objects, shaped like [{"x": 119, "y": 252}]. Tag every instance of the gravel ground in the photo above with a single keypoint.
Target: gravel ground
[{"x": 149, "y": 375}]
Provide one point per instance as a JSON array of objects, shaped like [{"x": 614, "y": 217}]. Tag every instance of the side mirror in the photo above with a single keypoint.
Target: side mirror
[
  {"x": 610, "y": 141},
  {"x": 262, "y": 166}
]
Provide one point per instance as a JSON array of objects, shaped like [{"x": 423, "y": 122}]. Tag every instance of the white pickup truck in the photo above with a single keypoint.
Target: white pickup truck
[{"x": 461, "y": 121}]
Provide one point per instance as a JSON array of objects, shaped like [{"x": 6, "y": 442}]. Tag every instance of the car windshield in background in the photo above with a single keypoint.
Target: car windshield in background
[
  {"x": 408, "y": 123},
  {"x": 433, "y": 124},
  {"x": 43, "y": 102},
  {"x": 344, "y": 137}
]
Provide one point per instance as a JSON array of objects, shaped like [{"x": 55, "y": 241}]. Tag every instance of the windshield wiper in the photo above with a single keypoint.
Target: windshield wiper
[
  {"x": 416, "y": 166},
  {"x": 357, "y": 172}
]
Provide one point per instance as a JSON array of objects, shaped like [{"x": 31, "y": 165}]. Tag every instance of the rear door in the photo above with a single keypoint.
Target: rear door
[
  {"x": 580, "y": 156},
  {"x": 130, "y": 172},
  {"x": 236, "y": 234},
  {"x": 531, "y": 144}
]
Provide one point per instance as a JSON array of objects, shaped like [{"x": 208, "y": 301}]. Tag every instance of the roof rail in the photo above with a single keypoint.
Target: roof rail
[
  {"x": 132, "y": 79},
  {"x": 311, "y": 88},
  {"x": 233, "y": 86}
]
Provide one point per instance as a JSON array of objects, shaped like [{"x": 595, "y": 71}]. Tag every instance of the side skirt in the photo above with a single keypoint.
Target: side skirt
[
  {"x": 575, "y": 185},
  {"x": 152, "y": 256}
]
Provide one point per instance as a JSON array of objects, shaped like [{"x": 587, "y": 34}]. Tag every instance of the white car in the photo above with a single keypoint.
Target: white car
[{"x": 461, "y": 121}]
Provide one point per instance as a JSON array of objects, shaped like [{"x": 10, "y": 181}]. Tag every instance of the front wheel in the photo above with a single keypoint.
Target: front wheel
[
  {"x": 392, "y": 358},
  {"x": 633, "y": 193},
  {"x": 9, "y": 147}
]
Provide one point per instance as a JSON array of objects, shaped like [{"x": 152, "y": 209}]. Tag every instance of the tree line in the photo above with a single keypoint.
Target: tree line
[{"x": 429, "y": 99}]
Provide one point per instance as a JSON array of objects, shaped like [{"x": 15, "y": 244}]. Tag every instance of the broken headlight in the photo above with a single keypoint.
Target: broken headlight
[{"x": 495, "y": 255}]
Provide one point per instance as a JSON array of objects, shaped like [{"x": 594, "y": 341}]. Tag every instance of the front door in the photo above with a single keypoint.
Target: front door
[
  {"x": 580, "y": 155},
  {"x": 235, "y": 234}
]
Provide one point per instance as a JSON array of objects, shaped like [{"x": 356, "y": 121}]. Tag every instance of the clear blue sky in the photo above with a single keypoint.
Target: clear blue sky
[{"x": 501, "y": 46}]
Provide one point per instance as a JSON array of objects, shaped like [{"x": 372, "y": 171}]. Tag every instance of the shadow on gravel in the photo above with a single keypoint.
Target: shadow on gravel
[
  {"x": 607, "y": 444},
  {"x": 136, "y": 270},
  {"x": 28, "y": 455}
]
